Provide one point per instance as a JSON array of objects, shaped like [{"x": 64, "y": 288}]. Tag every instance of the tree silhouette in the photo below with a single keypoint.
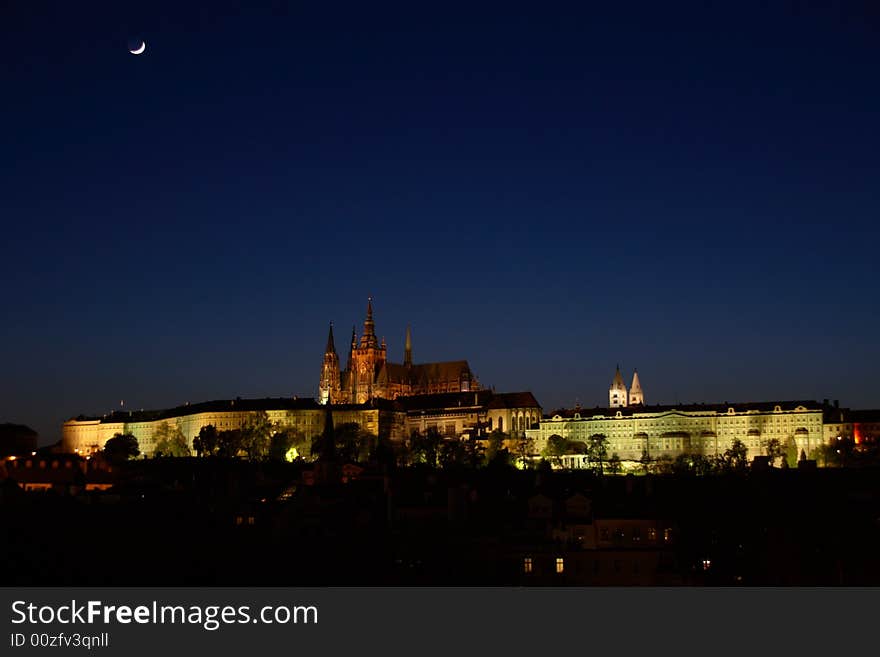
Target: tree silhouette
[
  {"x": 555, "y": 448},
  {"x": 121, "y": 447},
  {"x": 206, "y": 443},
  {"x": 255, "y": 433},
  {"x": 229, "y": 443},
  {"x": 774, "y": 450},
  {"x": 597, "y": 452},
  {"x": 170, "y": 441}
]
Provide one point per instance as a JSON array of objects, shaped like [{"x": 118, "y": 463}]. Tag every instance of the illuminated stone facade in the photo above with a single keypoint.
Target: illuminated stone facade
[
  {"x": 667, "y": 431},
  {"x": 369, "y": 375},
  {"x": 859, "y": 426},
  {"x": 471, "y": 413},
  {"x": 86, "y": 435}
]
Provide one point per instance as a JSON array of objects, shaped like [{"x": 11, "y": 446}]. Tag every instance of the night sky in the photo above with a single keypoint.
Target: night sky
[{"x": 546, "y": 190}]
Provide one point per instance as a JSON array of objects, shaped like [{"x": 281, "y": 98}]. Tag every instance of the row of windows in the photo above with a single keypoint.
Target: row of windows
[{"x": 528, "y": 565}]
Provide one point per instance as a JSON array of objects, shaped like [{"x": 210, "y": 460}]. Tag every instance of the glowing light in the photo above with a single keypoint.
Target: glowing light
[{"x": 291, "y": 455}]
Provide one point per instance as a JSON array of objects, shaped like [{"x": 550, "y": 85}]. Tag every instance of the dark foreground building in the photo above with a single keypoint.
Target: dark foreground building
[{"x": 229, "y": 522}]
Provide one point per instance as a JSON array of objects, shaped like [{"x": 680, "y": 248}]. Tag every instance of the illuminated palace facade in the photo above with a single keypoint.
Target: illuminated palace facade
[
  {"x": 633, "y": 428},
  {"x": 369, "y": 375},
  {"x": 88, "y": 434},
  {"x": 455, "y": 415}
]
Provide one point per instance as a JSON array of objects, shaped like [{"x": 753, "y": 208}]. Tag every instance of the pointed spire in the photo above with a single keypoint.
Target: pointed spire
[
  {"x": 351, "y": 348},
  {"x": 331, "y": 347},
  {"x": 617, "y": 395},
  {"x": 407, "y": 349},
  {"x": 368, "y": 339},
  {"x": 328, "y": 388},
  {"x": 635, "y": 391}
]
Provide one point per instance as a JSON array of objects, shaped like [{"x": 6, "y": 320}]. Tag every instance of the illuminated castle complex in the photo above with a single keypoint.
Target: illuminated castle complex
[{"x": 369, "y": 375}]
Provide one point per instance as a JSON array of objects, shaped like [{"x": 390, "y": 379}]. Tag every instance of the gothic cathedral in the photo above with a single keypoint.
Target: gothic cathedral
[{"x": 368, "y": 374}]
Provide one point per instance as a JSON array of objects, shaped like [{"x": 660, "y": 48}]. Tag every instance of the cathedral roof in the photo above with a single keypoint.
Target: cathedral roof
[
  {"x": 424, "y": 372},
  {"x": 444, "y": 371},
  {"x": 618, "y": 384}
]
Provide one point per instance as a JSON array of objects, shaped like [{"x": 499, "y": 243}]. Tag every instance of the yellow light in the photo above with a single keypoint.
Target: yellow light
[{"x": 291, "y": 455}]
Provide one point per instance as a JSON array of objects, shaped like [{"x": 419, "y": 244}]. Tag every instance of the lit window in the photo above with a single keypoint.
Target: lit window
[
  {"x": 667, "y": 535},
  {"x": 527, "y": 565},
  {"x": 652, "y": 534},
  {"x": 707, "y": 563},
  {"x": 560, "y": 564},
  {"x": 251, "y": 520}
]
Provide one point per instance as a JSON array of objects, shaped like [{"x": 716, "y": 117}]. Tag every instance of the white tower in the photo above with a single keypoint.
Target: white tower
[
  {"x": 636, "y": 397},
  {"x": 617, "y": 397}
]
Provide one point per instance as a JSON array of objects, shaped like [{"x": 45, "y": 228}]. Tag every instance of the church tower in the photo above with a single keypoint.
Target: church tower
[
  {"x": 407, "y": 350},
  {"x": 369, "y": 356},
  {"x": 328, "y": 389},
  {"x": 617, "y": 397},
  {"x": 636, "y": 398}
]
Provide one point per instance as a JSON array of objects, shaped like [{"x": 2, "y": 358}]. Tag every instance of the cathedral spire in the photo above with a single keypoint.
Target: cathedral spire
[
  {"x": 328, "y": 388},
  {"x": 331, "y": 347},
  {"x": 407, "y": 349},
  {"x": 368, "y": 339}
]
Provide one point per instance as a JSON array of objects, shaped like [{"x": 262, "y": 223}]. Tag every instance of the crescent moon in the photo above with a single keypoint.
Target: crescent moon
[{"x": 138, "y": 51}]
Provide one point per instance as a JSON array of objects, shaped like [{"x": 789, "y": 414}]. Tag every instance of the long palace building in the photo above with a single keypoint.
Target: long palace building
[{"x": 634, "y": 430}]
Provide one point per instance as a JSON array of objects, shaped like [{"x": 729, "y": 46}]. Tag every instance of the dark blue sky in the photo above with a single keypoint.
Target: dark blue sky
[{"x": 544, "y": 189}]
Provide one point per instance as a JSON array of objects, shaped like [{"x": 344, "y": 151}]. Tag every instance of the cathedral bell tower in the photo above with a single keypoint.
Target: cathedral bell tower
[
  {"x": 328, "y": 389},
  {"x": 369, "y": 356}
]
